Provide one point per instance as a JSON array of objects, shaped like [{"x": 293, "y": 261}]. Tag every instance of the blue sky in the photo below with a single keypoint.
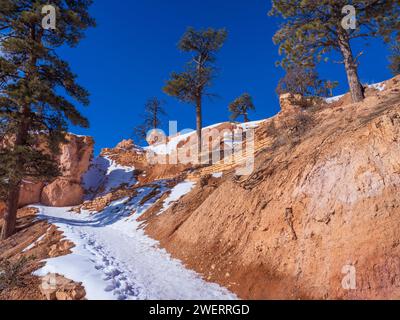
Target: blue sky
[{"x": 129, "y": 55}]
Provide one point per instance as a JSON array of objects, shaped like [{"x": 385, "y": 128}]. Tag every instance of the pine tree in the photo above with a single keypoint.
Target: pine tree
[
  {"x": 153, "y": 111},
  {"x": 395, "y": 58},
  {"x": 303, "y": 81},
  {"x": 313, "y": 28},
  {"x": 330, "y": 85},
  {"x": 241, "y": 107},
  {"x": 190, "y": 85},
  {"x": 33, "y": 113}
]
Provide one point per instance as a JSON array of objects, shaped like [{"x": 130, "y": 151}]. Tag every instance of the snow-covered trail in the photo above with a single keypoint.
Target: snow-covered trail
[{"x": 114, "y": 259}]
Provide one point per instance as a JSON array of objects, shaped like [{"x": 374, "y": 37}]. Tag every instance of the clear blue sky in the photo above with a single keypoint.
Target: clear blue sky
[{"x": 129, "y": 55}]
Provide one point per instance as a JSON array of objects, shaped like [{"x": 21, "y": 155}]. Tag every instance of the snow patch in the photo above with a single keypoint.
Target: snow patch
[
  {"x": 32, "y": 245},
  {"x": 250, "y": 125},
  {"x": 104, "y": 175},
  {"x": 334, "y": 99},
  {"x": 378, "y": 86},
  {"x": 218, "y": 175},
  {"x": 177, "y": 192},
  {"x": 171, "y": 145}
]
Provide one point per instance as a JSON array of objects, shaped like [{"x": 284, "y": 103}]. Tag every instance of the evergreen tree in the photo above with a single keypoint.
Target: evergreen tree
[
  {"x": 32, "y": 110},
  {"x": 304, "y": 81},
  {"x": 154, "y": 109},
  {"x": 313, "y": 28},
  {"x": 330, "y": 85},
  {"x": 241, "y": 107},
  {"x": 190, "y": 85},
  {"x": 395, "y": 58}
]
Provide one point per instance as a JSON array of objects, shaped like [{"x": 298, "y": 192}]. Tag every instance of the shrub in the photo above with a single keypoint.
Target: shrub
[{"x": 11, "y": 273}]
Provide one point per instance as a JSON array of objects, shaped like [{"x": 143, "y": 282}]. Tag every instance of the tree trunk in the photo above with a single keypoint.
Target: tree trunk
[
  {"x": 21, "y": 140},
  {"x": 246, "y": 117},
  {"x": 199, "y": 126},
  {"x": 10, "y": 217},
  {"x": 155, "y": 118},
  {"x": 155, "y": 122},
  {"x": 356, "y": 89}
]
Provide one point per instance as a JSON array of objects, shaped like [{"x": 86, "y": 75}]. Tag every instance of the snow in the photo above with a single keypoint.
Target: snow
[
  {"x": 105, "y": 175},
  {"x": 95, "y": 176},
  {"x": 32, "y": 245},
  {"x": 76, "y": 135},
  {"x": 115, "y": 259},
  {"x": 171, "y": 145},
  {"x": 118, "y": 175},
  {"x": 334, "y": 99},
  {"x": 378, "y": 86},
  {"x": 250, "y": 125},
  {"x": 218, "y": 175},
  {"x": 177, "y": 192}
]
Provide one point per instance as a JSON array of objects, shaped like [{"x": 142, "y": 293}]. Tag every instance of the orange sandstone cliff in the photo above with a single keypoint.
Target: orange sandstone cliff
[
  {"x": 323, "y": 198},
  {"x": 66, "y": 190}
]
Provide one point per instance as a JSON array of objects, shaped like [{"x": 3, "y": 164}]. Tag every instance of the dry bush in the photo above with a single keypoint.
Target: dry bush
[{"x": 11, "y": 272}]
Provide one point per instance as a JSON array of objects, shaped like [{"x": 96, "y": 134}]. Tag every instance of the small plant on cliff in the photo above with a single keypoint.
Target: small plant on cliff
[
  {"x": 241, "y": 107},
  {"x": 313, "y": 28},
  {"x": 153, "y": 111},
  {"x": 190, "y": 86},
  {"x": 11, "y": 272},
  {"x": 32, "y": 79}
]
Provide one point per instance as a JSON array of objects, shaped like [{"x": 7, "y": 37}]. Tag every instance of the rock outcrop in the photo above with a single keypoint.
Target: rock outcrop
[
  {"x": 30, "y": 192},
  {"x": 74, "y": 161},
  {"x": 293, "y": 103},
  {"x": 126, "y": 145},
  {"x": 62, "y": 193},
  {"x": 57, "y": 287},
  {"x": 66, "y": 190}
]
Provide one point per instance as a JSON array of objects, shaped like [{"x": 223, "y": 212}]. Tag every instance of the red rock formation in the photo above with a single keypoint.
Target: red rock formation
[
  {"x": 57, "y": 287},
  {"x": 30, "y": 193},
  {"x": 292, "y": 103},
  {"x": 75, "y": 157},
  {"x": 74, "y": 160},
  {"x": 125, "y": 144},
  {"x": 62, "y": 193}
]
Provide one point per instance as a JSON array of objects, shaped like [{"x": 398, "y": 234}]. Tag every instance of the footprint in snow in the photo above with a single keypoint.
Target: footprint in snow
[{"x": 117, "y": 281}]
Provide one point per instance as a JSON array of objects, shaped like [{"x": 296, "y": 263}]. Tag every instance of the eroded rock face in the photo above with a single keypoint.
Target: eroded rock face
[
  {"x": 56, "y": 287},
  {"x": 292, "y": 103},
  {"x": 75, "y": 157},
  {"x": 74, "y": 161},
  {"x": 62, "y": 193},
  {"x": 125, "y": 144},
  {"x": 309, "y": 218},
  {"x": 30, "y": 193}
]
